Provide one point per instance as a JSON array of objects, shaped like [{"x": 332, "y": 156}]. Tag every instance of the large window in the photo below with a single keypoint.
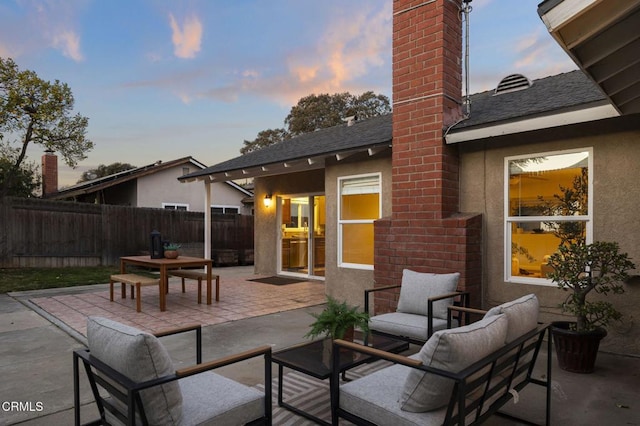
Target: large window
[
  {"x": 359, "y": 206},
  {"x": 547, "y": 204}
]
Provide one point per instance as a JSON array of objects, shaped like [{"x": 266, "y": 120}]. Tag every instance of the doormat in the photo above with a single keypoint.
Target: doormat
[{"x": 278, "y": 280}]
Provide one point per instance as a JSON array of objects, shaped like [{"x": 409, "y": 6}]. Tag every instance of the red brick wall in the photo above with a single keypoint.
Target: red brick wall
[
  {"x": 425, "y": 232},
  {"x": 49, "y": 173}
]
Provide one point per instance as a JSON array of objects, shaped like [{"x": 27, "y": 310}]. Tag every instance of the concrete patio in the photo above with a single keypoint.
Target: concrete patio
[{"x": 36, "y": 347}]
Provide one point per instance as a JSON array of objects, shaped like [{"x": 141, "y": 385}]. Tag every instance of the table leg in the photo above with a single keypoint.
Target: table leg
[
  {"x": 164, "y": 285},
  {"x": 293, "y": 409},
  {"x": 208, "y": 284}
]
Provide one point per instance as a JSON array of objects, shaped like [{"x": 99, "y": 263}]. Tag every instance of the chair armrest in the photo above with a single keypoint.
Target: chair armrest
[
  {"x": 192, "y": 327},
  {"x": 221, "y": 362},
  {"x": 371, "y": 290},
  {"x": 184, "y": 329},
  {"x": 462, "y": 310},
  {"x": 445, "y": 296},
  {"x": 464, "y": 297},
  {"x": 377, "y": 353}
]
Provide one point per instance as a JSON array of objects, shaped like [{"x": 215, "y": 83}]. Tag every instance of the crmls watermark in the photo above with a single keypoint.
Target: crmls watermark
[{"x": 22, "y": 406}]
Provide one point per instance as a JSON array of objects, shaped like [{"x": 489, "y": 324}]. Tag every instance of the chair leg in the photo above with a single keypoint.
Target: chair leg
[
  {"x": 132, "y": 296},
  {"x": 183, "y": 285},
  {"x": 138, "y": 298},
  {"x": 217, "y": 289},
  {"x": 199, "y": 291},
  {"x": 111, "y": 290}
]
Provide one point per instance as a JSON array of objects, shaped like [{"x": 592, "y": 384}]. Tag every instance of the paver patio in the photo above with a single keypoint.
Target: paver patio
[{"x": 239, "y": 299}]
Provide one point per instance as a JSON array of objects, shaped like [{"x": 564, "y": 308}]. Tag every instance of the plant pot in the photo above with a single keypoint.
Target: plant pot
[
  {"x": 576, "y": 351},
  {"x": 171, "y": 254}
]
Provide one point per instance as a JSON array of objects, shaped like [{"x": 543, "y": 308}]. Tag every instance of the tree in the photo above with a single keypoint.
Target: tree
[
  {"x": 36, "y": 111},
  {"x": 265, "y": 138},
  {"x": 25, "y": 180},
  {"x": 102, "y": 171},
  {"x": 316, "y": 112}
]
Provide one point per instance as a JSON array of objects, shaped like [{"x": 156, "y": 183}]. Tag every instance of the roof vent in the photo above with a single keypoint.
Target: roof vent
[{"x": 512, "y": 83}]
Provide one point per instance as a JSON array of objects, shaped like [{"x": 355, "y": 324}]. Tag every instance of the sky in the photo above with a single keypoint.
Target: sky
[{"x": 162, "y": 80}]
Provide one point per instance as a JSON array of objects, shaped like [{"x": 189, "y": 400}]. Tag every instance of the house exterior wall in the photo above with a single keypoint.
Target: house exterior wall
[
  {"x": 164, "y": 187},
  {"x": 616, "y": 148},
  {"x": 347, "y": 283}
]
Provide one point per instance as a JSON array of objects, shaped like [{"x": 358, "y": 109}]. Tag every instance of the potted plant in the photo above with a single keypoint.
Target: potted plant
[
  {"x": 579, "y": 269},
  {"x": 338, "y": 320},
  {"x": 171, "y": 250}
]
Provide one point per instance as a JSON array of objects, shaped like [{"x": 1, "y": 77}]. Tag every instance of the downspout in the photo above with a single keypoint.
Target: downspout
[{"x": 465, "y": 10}]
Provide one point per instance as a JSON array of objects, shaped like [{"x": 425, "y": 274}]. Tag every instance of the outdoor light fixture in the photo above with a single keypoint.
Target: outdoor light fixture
[{"x": 267, "y": 200}]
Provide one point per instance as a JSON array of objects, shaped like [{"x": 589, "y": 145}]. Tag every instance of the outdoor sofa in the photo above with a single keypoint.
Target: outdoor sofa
[{"x": 461, "y": 376}]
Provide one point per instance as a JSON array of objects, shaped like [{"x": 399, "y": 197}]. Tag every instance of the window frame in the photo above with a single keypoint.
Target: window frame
[
  {"x": 508, "y": 220},
  {"x": 225, "y": 207},
  {"x": 341, "y": 222},
  {"x": 174, "y": 206}
]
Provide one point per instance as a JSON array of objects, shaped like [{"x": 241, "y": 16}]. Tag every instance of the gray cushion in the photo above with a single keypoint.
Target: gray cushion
[
  {"x": 211, "y": 399},
  {"x": 451, "y": 350},
  {"x": 417, "y": 287},
  {"x": 141, "y": 357},
  {"x": 406, "y": 325},
  {"x": 522, "y": 315},
  {"x": 375, "y": 398}
]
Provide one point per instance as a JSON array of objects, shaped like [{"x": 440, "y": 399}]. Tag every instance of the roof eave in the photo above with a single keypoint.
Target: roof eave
[
  {"x": 591, "y": 112},
  {"x": 601, "y": 37},
  {"x": 286, "y": 166}
]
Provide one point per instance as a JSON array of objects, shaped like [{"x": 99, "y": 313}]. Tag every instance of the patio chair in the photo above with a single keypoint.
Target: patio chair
[
  {"x": 422, "y": 306},
  {"x": 133, "y": 381}
]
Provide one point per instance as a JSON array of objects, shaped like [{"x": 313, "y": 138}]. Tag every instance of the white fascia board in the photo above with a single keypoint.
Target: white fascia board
[
  {"x": 537, "y": 123},
  {"x": 565, "y": 11}
]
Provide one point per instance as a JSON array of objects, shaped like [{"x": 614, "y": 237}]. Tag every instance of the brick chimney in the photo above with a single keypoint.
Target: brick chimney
[
  {"x": 425, "y": 232},
  {"x": 49, "y": 173}
]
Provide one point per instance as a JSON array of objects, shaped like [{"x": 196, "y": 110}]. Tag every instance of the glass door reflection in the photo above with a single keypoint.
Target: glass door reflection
[{"x": 302, "y": 235}]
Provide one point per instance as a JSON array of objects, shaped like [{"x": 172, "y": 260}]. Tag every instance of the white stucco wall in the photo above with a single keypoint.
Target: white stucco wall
[{"x": 164, "y": 187}]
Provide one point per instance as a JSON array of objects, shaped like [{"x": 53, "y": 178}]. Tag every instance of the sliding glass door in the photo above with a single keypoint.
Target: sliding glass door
[{"x": 302, "y": 233}]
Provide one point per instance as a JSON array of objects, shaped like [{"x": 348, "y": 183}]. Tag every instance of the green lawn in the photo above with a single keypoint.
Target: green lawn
[{"x": 20, "y": 279}]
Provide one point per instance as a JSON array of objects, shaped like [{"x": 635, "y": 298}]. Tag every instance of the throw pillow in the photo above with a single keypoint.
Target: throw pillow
[
  {"x": 140, "y": 357},
  {"x": 522, "y": 315},
  {"x": 452, "y": 350}
]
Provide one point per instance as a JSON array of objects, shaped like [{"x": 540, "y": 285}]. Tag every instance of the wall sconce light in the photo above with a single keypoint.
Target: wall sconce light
[{"x": 267, "y": 200}]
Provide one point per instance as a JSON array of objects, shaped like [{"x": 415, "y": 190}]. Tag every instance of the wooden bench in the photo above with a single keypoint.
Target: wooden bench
[
  {"x": 199, "y": 276},
  {"x": 133, "y": 280}
]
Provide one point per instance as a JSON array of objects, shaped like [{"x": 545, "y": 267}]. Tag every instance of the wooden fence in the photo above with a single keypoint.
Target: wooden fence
[{"x": 42, "y": 233}]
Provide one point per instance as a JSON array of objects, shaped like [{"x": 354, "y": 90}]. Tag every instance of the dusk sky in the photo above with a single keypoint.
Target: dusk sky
[{"x": 161, "y": 80}]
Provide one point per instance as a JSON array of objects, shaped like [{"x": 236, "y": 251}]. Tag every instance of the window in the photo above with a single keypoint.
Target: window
[
  {"x": 175, "y": 206},
  {"x": 358, "y": 207},
  {"x": 225, "y": 210},
  {"x": 548, "y": 202}
]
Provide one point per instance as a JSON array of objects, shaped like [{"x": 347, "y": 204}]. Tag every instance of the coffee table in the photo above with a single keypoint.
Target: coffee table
[{"x": 314, "y": 359}]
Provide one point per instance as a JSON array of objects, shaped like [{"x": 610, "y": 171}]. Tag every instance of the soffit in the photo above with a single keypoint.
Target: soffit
[{"x": 602, "y": 38}]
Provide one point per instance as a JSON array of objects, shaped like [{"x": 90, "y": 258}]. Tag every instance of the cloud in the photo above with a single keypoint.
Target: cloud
[
  {"x": 69, "y": 43},
  {"x": 51, "y": 23},
  {"x": 186, "y": 41},
  {"x": 353, "y": 43},
  {"x": 537, "y": 55}
]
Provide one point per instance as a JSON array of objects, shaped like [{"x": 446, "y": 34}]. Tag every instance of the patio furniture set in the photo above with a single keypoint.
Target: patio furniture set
[
  {"x": 178, "y": 267},
  {"x": 463, "y": 374}
]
